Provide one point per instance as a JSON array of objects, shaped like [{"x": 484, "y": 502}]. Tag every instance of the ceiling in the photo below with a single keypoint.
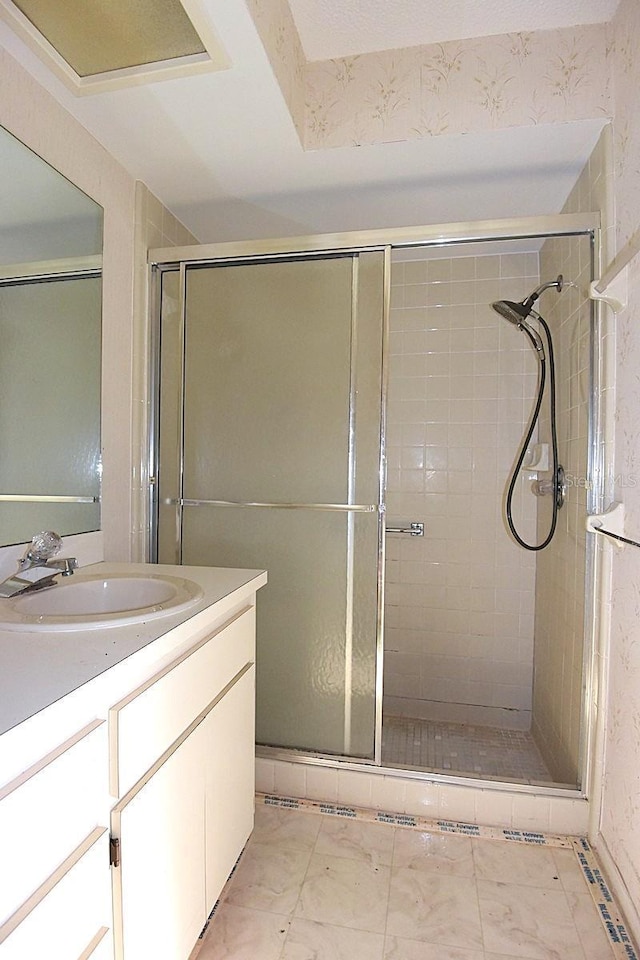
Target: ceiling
[{"x": 220, "y": 149}]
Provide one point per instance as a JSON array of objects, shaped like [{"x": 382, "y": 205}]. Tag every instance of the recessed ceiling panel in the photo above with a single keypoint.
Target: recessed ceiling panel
[
  {"x": 99, "y": 36},
  {"x": 343, "y": 28}
]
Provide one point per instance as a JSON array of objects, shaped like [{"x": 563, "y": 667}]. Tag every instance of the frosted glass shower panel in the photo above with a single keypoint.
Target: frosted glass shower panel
[
  {"x": 269, "y": 458},
  {"x": 311, "y": 693},
  {"x": 272, "y": 343}
]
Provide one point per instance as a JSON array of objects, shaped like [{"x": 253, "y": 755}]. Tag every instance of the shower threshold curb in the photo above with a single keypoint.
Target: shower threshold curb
[{"x": 608, "y": 911}]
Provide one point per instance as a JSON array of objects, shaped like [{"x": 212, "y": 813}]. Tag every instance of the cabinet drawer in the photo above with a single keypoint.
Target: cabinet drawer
[
  {"x": 145, "y": 724},
  {"x": 47, "y": 810},
  {"x": 68, "y": 917}
]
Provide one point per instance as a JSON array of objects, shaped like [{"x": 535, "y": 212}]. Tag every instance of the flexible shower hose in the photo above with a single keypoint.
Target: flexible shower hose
[{"x": 527, "y": 439}]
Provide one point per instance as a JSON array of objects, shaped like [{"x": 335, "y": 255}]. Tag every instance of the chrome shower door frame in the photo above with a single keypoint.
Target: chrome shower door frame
[{"x": 172, "y": 258}]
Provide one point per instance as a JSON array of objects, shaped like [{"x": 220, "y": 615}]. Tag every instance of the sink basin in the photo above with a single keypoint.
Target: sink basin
[{"x": 94, "y": 601}]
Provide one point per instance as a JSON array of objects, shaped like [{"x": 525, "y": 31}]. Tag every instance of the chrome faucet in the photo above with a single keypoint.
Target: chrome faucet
[{"x": 39, "y": 554}]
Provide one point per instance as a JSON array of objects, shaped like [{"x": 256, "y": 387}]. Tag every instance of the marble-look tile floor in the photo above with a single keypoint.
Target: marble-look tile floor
[
  {"x": 473, "y": 750},
  {"x": 313, "y": 887}
]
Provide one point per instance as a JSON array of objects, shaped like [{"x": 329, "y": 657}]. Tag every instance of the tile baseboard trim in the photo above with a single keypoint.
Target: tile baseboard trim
[{"x": 532, "y": 837}]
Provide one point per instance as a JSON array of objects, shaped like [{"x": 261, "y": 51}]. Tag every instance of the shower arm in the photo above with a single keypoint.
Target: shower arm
[{"x": 531, "y": 299}]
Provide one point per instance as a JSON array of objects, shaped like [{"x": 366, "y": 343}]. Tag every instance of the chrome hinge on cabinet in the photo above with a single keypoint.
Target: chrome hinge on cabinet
[{"x": 114, "y": 851}]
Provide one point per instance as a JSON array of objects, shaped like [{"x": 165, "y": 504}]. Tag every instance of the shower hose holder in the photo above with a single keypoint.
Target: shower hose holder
[{"x": 553, "y": 486}]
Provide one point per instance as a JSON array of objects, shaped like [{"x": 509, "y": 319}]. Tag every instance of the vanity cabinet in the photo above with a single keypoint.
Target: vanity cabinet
[{"x": 116, "y": 843}]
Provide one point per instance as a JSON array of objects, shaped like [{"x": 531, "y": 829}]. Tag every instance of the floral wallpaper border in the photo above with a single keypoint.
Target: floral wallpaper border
[{"x": 514, "y": 79}]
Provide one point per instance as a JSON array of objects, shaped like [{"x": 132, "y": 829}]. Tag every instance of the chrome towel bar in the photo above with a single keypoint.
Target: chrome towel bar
[
  {"x": 415, "y": 529},
  {"x": 615, "y": 536}
]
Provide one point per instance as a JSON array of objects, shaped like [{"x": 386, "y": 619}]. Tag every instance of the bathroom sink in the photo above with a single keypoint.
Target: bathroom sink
[{"x": 91, "y": 602}]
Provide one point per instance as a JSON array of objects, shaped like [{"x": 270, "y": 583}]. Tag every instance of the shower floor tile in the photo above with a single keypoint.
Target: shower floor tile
[{"x": 462, "y": 749}]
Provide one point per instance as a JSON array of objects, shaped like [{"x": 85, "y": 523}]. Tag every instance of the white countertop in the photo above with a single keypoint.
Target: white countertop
[{"x": 39, "y": 668}]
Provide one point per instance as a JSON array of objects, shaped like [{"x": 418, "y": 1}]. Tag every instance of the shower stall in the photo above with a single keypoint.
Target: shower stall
[{"x": 347, "y": 412}]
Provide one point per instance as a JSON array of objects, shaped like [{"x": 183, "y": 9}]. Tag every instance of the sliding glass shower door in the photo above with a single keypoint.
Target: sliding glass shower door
[{"x": 269, "y": 456}]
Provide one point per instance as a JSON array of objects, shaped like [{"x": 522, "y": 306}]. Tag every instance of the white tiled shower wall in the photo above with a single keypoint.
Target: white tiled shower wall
[
  {"x": 560, "y": 653},
  {"x": 460, "y": 601}
]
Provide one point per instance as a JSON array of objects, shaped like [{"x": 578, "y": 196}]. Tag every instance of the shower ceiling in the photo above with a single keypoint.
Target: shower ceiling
[{"x": 221, "y": 152}]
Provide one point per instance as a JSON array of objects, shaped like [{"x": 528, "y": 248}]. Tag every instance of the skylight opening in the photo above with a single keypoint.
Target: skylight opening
[{"x": 94, "y": 45}]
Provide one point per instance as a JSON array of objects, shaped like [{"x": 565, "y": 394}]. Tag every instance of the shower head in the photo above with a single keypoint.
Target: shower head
[
  {"x": 517, "y": 312},
  {"x": 513, "y": 312}
]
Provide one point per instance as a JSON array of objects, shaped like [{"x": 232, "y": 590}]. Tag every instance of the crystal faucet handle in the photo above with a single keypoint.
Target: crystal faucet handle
[{"x": 43, "y": 546}]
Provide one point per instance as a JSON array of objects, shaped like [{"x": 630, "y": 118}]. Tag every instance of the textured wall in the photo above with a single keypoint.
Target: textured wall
[{"x": 620, "y": 819}]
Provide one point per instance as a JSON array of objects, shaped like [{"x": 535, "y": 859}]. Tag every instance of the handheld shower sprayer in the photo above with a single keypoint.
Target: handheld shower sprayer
[{"x": 518, "y": 313}]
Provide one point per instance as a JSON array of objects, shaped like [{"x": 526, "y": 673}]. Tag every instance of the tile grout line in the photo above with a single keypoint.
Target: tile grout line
[
  {"x": 292, "y": 915},
  {"x": 474, "y": 852},
  {"x": 615, "y": 928}
]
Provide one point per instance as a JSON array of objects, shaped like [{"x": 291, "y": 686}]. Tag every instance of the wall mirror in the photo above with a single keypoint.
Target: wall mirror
[{"x": 50, "y": 349}]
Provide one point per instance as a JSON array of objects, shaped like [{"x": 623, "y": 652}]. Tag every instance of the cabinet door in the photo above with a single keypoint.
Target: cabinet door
[
  {"x": 230, "y": 774},
  {"x": 159, "y": 896}
]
